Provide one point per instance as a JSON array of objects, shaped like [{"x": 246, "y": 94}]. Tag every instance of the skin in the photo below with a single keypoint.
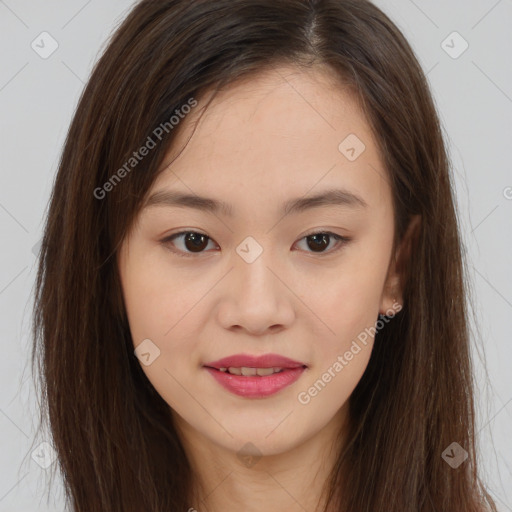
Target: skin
[{"x": 261, "y": 142}]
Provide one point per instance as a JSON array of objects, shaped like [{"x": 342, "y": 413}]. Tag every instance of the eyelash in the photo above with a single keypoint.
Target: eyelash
[{"x": 342, "y": 241}]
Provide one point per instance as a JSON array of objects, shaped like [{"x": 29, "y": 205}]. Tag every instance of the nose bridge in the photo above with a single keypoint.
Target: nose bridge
[
  {"x": 254, "y": 280},
  {"x": 257, "y": 299}
]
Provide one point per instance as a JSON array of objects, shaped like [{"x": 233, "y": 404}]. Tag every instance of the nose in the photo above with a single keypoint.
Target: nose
[{"x": 256, "y": 298}]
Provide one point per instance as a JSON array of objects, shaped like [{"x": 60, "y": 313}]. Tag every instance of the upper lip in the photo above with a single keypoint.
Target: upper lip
[{"x": 249, "y": 361}]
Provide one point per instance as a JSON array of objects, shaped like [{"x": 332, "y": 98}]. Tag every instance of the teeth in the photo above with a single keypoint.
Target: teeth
[
  {"x": 245, "y": 371},
  {"x": 265, "y": 371}
]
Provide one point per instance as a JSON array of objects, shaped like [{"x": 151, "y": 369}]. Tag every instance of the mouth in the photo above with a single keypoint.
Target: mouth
[
  {"x": 248, "y": 363},
  {"x": 255, "y": 376},
  {"x": 246, "y": 371}
]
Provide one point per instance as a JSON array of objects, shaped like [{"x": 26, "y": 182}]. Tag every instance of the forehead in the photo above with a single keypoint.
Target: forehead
[{"x": 279, "y": 134}]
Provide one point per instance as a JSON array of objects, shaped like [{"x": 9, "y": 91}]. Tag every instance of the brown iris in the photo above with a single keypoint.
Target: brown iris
[
  {"x": 195, "y": 242},
  {"x": 321, "y": 241}
]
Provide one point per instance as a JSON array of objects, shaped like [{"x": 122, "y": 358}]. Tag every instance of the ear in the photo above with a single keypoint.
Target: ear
[{"x": 392, "y": 293}]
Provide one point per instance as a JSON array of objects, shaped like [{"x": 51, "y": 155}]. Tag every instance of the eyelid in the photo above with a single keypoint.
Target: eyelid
[
  {"x": 169, "y": 238},
  {"x": 342, "y": 241}
]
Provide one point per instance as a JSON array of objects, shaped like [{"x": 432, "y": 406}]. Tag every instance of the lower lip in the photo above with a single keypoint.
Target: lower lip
[{"x": 255, "y": 386}]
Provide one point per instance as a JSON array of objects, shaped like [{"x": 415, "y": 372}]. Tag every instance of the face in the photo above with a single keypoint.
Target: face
[{"x": 272, "y": 271}]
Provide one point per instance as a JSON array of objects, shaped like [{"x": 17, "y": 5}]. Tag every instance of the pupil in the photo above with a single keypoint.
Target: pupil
[
  {"x": 197, "y": 244},
  {"x": 323, "y": 243}
]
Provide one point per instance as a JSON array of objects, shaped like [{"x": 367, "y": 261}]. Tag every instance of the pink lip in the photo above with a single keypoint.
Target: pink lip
[
  {"x": 264, "y": 361},
  {"x": 256, "y": 386}
]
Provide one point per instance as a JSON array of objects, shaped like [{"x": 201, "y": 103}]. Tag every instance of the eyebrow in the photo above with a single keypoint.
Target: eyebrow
[{"x": 331, "y": 197}]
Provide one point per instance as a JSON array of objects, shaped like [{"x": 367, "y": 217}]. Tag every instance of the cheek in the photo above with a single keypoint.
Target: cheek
[
  {"x": 159, "y": 299},
  {"x": 341, "y": 354},
  {"x": 162, "y": 305},
  {"x": 348, "y": 305},
  {"x": 348, "y": 299},
  {"x": 161, "y": 318}
]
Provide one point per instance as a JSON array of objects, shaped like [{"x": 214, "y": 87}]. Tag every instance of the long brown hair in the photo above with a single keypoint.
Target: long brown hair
[{"x": 117, "y": 447}]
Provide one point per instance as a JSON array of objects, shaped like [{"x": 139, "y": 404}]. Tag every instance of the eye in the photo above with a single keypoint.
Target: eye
[
  {"x": 318, "y": 241},
  {"x": 195, "y": 242}
]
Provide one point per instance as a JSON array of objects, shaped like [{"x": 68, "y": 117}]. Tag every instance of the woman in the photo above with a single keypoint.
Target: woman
[{"x": 251, "y": 275}]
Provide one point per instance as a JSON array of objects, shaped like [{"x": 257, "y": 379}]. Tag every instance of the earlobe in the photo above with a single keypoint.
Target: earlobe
[
  {"x": 392, "y": 292},
  {"x": 392, "y": 295}
]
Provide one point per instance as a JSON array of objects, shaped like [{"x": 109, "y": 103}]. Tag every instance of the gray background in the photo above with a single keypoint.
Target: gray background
[{"x": 473, "y": 93}]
